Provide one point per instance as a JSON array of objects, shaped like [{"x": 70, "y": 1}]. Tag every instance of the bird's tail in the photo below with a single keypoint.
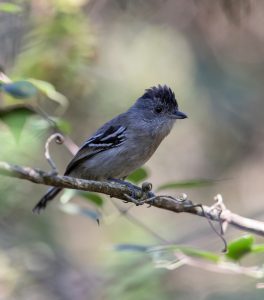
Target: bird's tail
[{"x": 52, "y": 193}]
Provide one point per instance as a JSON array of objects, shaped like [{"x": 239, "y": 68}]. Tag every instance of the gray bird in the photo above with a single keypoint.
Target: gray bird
[{"x": 124, "y": 143}]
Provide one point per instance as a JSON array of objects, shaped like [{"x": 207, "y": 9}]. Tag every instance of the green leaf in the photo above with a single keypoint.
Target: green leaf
[
  {"x": 131, "y": 247},
  {"x": 41, "y": 124},
  {"x": 172, "y": 257},
  {"x": 49, "y": 90},
  {"x": 92, "y": 197},
  {"x": 10, "y": 8},
  {"x": 240, "y": 247},
  {"x": 64, "y": 126},
  {"x": 67, "y": 195},
  {"x": 138, "y": 175},
  {"x": 19, "y": 89},
  {"x": 189, "y": 251},
  {"x": 169, "y": 257},
  {"x": 170, "y": 249},
  {"x": 15, "y": 118},
  {"x": 74, "y": 209},
  {"x": 200, "y": 254},
  {"x": 257, "y": 248},
  {"x": 186, "y": 184}
]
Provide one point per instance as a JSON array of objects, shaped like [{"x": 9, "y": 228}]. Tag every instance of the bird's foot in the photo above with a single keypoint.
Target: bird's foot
[
  {"x": 134, "y": 189},
  {"x": 137, "y": 195},
  {"x": 126, "y": 183},
  {"x": 144, "y": 195}
]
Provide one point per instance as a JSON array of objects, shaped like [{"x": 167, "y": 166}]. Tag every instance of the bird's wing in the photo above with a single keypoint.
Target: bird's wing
[{"x": 106, "y": 138}]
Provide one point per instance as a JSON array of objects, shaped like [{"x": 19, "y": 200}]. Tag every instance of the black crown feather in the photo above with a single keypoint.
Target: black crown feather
[{"x": 163, "y": 94}]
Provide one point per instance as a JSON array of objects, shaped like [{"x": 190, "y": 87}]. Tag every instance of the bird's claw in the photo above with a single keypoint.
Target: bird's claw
[
  {"x": 133, "y": 200},
  {"x": 143, "y": 199}
]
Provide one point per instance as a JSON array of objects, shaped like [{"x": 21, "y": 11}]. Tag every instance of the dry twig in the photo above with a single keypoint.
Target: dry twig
[
  {"x": 120, "y": 191},
  {"x": 59, "y": 140}
]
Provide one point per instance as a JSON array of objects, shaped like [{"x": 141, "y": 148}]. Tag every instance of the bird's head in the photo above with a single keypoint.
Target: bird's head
[{"x": 159, "y": 103}]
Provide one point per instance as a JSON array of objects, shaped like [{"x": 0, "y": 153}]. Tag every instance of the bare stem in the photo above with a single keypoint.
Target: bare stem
[
  {"x": 59, "y": 140},
  {"x": 120, "y": 191}
]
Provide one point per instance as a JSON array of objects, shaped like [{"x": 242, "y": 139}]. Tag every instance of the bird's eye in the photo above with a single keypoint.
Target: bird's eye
[{"x": 158, "y": 109}]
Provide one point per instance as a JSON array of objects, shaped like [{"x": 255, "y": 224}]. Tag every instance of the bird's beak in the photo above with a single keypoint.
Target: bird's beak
[{"x": 179, "y": 115}]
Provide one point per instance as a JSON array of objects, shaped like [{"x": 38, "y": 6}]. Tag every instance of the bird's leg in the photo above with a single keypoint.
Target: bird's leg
[
  {"x": 130, "y": 186},
  {"x": 144, "y": 198},
  {"x": 133, "y": 197}
]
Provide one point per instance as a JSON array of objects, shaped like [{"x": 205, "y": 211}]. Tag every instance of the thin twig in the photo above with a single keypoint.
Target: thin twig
[
  {"x": 222, "y": 208},
  {"x": 220, "y": 234},
  {"x": 223, "y": 267},
  {"x": 70, "y": 145},
  {"x": 59, "y": 140},
  {"x": 119, "y": 190},
  {"x": 183, "y": 198}
]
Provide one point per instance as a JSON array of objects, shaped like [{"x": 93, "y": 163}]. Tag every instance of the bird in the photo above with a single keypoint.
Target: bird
[{"x": 124, "y": 143}]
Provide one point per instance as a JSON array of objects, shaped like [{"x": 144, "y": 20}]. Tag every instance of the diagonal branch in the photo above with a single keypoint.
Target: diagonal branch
[{"x": 121, "y": 192}]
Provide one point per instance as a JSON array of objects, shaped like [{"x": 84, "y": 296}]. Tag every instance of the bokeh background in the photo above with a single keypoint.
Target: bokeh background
[{"x": 102, "y": 54}]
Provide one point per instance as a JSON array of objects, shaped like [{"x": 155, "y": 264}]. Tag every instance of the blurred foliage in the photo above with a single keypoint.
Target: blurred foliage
[
  {"x": 15, "y": 118},
  {"x": 19, "y": 89},
  {"x": 63, "y": 32},
  {"x": 11, "y": 8},
  {"x": 92, "y": 197},
  {"x": 138, "y": 176},
  {"x": 170, "y": 256},
  {"x": 49, "y": 90},
  {"x": 95, "y": 199},
  {"x": 135, "y": 278},
  {"x": 195, "y": 183},
  {"x": 74, "y": 209}
]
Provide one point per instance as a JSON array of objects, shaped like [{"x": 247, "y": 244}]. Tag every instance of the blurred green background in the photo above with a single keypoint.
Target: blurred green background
[{"x": 102, "y": 54}]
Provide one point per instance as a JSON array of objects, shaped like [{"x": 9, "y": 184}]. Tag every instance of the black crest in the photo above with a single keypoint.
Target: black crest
[{"x": 163, "y": 94}]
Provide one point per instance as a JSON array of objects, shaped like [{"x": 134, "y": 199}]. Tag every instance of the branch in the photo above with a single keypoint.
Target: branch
[{"x": 125, "y": 193}]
